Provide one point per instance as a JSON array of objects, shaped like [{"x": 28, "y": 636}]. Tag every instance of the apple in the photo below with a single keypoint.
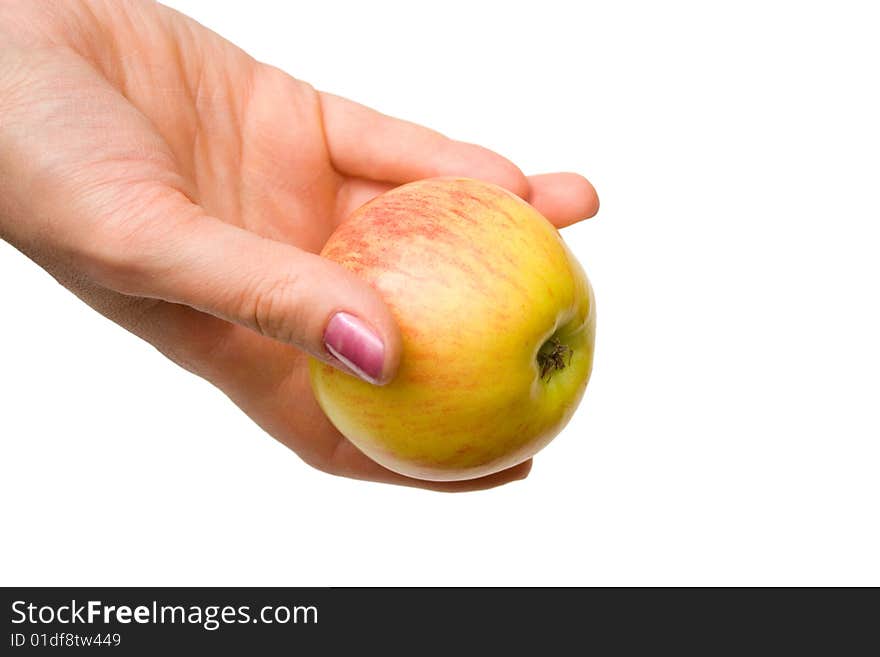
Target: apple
[{"x": 498, "y": 323}]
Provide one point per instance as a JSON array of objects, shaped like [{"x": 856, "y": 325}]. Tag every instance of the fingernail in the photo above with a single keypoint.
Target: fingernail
[{"x": 361, "y": 350}]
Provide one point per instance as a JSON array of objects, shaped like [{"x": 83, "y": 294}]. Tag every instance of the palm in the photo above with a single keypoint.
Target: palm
[
  {"x": 272, "y": 175},
  {"x": 258, "y": 149},
  {"x": 287, "y": 190}
]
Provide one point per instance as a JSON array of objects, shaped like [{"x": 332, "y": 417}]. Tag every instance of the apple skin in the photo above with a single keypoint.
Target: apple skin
[{"x": 478, "y": 281}]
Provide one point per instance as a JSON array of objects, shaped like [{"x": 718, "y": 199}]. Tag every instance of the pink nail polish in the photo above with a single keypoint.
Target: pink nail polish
[{"x": 350, "y": 341}]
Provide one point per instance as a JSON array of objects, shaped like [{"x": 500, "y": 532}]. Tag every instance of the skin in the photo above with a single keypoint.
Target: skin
[
  {"x": 469, "y": 398},
  {"x": 183, "y": 189}
]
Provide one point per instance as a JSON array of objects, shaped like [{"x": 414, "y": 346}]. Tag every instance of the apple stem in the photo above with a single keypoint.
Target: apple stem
[{"x": 552, "y": 356}]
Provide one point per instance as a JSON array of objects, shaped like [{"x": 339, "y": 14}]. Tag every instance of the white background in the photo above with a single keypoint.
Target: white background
[{"x": 730, "y": 434}]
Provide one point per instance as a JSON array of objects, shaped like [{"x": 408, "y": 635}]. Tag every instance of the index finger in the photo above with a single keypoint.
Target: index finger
[{"x": 364, "y": 143}]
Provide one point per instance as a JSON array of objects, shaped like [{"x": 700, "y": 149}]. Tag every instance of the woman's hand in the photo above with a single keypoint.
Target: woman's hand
[{"x": 183, "y": 190}]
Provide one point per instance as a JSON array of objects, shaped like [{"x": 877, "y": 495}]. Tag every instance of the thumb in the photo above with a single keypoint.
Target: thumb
[{"x": 271, "y": 287}]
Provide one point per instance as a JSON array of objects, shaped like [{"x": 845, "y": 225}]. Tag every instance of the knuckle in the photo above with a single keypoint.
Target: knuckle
[
  {"x": 207, "y": 353},
  {"x": 319, "y": 463},
  {"x": 320, "y": 458},
  {"x": 273, "y": 309}
]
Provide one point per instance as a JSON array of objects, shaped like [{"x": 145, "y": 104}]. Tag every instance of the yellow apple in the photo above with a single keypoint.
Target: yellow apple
[{"x": 498, "y": 323}]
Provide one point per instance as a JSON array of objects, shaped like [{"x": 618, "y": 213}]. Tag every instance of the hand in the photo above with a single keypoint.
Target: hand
[{"x": 183, "y": 190}]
